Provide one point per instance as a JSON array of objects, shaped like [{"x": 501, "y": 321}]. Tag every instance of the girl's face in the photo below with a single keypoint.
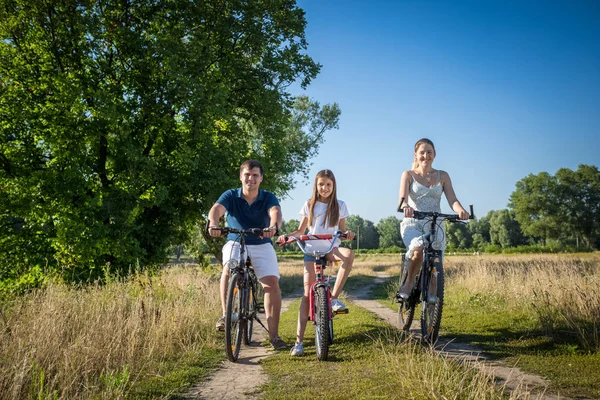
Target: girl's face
[
  {"x": 425, "y": 155},
  {"x": 324, "y": 187}
]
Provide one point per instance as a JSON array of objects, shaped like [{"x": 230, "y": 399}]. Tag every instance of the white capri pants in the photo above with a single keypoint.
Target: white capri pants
[{"x": 264, "y": 259}]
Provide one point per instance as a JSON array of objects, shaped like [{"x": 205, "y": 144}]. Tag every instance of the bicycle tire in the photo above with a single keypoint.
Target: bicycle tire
[
  {"x": 321, "y": 323},
  {"x": 431, "y": 313},
  {"x": 251, "y": 307},
  {"x": 234, "y": 321},
  {"x": 406, "y": 308}
]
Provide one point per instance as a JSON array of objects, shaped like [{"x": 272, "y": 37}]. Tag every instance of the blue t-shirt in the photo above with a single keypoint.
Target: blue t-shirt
[{"x": 242, "y": 215}]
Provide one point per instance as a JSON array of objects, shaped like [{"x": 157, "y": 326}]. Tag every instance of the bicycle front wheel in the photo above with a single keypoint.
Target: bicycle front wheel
[
  {"x": 406, "y": 307},
  {"x": 431, "y": 309},
  {"x": 322, "y": 325},
  {"x": 252, "y": 307},
  {"x": 235, "y": 324}
]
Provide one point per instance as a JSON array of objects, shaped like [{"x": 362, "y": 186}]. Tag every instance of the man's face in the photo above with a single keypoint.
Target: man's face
[{"x": 250, "y": 178}]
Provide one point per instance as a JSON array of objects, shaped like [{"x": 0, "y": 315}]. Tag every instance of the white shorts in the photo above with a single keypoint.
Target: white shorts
[{"x": 264, "y": 259}]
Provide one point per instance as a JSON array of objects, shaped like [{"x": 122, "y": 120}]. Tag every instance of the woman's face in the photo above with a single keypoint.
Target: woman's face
[
  {"x": 425, "y": 155},
  {"x": 324, "y": 187}
]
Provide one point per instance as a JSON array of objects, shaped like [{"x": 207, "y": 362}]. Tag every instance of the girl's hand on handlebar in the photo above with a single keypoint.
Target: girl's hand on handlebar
[
  {"x": 408, "y": 212},
  {"x": 282, "y": 239},
  {"x": 214, "y": 231},
  {"x": 349, "y": 235}
]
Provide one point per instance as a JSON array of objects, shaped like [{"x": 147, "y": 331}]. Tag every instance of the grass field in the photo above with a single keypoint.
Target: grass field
[
  {"x": 539, "y": 312},
  {"x": 153, "y": 336}
]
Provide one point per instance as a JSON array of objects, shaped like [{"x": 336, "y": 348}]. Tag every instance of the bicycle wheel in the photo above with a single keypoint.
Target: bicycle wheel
[
  {"x": 431, "y": 312},
  {"x": 321, "y": 323},
  {"x": 406, "y": 308},
  {"x": 252, "y": 308},
  {"x": 234, "y": 323}
]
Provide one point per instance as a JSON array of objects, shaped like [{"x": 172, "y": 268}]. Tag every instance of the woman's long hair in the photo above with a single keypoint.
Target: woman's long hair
[{"x": 332, "y": 216}]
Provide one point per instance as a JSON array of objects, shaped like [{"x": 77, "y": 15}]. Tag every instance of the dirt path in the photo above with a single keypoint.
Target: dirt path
[
  {"x": 512, "y": 378},
  {"x": 222, "y": 385},
  {"x": 225, "y": 383}
]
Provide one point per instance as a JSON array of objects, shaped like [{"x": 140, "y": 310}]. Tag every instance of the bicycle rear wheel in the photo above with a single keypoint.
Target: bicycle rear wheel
[
  {"x": 406, "y": 308},
  {"x": 235, "y": 324},
  {"x": 431, "y": 312},
  {"x": 322, "y": 325}
]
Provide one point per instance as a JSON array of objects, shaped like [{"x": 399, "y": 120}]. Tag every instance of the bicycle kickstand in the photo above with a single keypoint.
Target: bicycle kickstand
[{"x": 260, "y": 322}]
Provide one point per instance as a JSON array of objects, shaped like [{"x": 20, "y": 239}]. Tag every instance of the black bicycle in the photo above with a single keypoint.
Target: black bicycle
[
  {"x": 431, "y": 273},
  {"x": 244, "y": 296}
]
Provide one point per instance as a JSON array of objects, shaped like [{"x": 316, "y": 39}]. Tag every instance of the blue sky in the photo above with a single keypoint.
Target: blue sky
[{"x": 504, "y": 89}]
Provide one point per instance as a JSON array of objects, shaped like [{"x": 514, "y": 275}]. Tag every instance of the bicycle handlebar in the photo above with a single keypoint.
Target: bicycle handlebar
[
  {"x": 300, "y": 240},
  {"x": 226, "y": 230},
  {"x": 447, "y": 217}
]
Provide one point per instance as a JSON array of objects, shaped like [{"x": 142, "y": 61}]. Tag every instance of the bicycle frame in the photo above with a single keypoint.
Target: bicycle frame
[{"x": 320, "y": 265}]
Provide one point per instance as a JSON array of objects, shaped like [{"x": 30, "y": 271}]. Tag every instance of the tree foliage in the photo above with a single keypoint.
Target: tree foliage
[
  {"x": 366, "y": 234},
  {"x": 122, "y": 122},
  {"x": 505, "y": 230},
  {"x": 389, "y": 232},
  {"x": 563, "y": 207}
]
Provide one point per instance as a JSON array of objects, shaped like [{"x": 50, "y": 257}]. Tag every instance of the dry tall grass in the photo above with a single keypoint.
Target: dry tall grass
[
  {"x": 562, "y": 290},
  {"x": 94, "y": 342}
]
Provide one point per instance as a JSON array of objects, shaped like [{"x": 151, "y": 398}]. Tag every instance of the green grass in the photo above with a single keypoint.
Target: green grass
[
  {"x": 514, "y": 336},
  {"x": 170, "y": 377},
  {"x": 369, "y": 359}
]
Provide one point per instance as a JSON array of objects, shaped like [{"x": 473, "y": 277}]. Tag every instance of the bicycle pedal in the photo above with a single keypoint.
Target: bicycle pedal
[
  {"x": 346, "y": 311},
  {"x": 221, "y": 329}
]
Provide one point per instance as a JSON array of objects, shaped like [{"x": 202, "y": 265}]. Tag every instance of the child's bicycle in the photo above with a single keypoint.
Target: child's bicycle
[
  {"x": 319, "y": 298},
  {"x": 243, "y": 296},
  {"x": 432, "y": 272}
]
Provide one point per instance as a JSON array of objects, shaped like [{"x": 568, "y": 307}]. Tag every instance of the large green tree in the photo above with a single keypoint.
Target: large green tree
[
  {"x": 121, "y": 122},
  {"x": 563, "y": 207}
]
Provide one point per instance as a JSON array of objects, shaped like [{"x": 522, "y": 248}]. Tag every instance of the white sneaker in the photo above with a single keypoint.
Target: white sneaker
[
  {"x": 298, "y": 349},
  {"x": 337, "y": 305}
]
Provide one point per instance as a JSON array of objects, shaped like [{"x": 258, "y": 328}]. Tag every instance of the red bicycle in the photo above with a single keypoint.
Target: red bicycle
[{"x": 319, "y": 298}]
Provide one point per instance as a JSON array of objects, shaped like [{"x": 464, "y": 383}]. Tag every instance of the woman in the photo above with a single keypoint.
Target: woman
[{"x": 422, "y": 188}]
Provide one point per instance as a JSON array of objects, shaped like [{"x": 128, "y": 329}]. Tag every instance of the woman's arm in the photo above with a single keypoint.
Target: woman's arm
[
  {"x": 405, "y": 182},
  {"x": 451, "y": 196}
]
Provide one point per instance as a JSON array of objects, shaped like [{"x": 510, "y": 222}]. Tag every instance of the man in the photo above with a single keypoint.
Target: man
[{"x": 251, "y": 207}]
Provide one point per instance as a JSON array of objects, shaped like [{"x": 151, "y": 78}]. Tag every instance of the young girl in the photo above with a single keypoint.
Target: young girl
[{"x": 323, "y": 213}]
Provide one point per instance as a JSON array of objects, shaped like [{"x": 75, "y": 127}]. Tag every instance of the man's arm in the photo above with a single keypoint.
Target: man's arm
[
  {"x": 214, "y": 215},
  {"x": 276, "y": 218}
]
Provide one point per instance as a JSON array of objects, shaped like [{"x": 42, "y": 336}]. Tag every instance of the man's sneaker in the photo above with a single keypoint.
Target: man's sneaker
[
  {"x": 221, "y": 324},
  {"x": 278, "y": 343},
  {"x": 298, "y": 349},
  {"x": 338, "y": 306}
]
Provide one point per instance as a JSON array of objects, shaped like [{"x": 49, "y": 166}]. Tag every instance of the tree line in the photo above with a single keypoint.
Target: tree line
[{"x": 555, "y": 212}]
